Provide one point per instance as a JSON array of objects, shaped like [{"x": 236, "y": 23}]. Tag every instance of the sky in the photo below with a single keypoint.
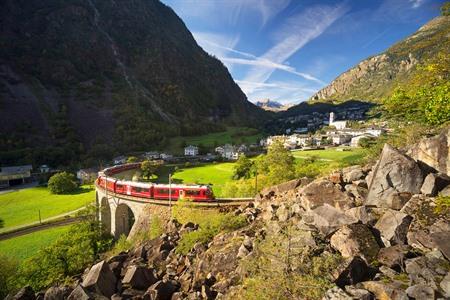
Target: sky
[{"x": 286, "y": 50}]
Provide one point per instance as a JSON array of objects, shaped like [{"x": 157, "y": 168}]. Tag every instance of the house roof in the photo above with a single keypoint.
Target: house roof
[{"x": 15, "y": 169}]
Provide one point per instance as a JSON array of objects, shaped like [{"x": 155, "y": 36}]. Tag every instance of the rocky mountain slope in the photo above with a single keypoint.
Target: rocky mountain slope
[
  {"x": 373, "y": 232},
  {"x": 129, "y": 72},
  {"x": 270, "y": 105},
  {"x": 377, "y": 76}
]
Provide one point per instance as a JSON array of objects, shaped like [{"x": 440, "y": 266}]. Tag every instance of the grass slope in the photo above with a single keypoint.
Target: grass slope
[
  {"x": 25, "y": 246},
  {"x": 215, "y": 174},
  {"x": 353, "y": 156},
  {"x": 22, "y": 207}
]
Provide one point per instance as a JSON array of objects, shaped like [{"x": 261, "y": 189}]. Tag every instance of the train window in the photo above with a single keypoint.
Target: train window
[
  {"x": 192, "y": 193},
  {"x": 140, "y": 189},
  {"x": 163, "y": 191}
]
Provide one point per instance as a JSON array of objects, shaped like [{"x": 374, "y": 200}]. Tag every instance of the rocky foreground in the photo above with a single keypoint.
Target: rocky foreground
[{"x": 382, "y": 222}]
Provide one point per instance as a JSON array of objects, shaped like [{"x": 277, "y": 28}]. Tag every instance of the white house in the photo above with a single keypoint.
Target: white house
[
  {"x": 339, "y": 139},
  {"x": 165, "y": 156},
  {"x": 230, "y": 152},
  {"x": 337, "y": 124},
  {"x": 87, "y": 175},
  {"x": 120, "y": 160},
  {"x": 375, "y": 131},
  {"x": 151, "y": 155},
  {"x": 220, "y": 150},
  {"x": 191, "y": 150},
  {"x": 44, "y": 169}
]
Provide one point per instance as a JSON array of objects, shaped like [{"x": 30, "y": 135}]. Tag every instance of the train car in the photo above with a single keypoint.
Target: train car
[{"x": 179, "y": 191}]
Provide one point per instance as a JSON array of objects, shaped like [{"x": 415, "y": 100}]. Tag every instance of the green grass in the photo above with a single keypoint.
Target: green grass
[
  {"x": 25, "y": 246},
  {"x": 216, "y": 174},
  {"x": 22, "y": 207},
  {"x": 233, "y": 135},
  {"x": 352, "y": 156}
]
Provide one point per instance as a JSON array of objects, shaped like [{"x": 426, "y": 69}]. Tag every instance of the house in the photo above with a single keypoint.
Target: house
[
  {"x": 375, "y": 131},
  {"x": 242, "y": 148},
  {"x": 165, "y": 156},
  {"x": 340, "y": 139},
  {"x": 355, "y": 140},
  {"x": 120, "y": 160},
  {"x": 230, "y": 152},
  {"x": 15, "y": 175},
  {"x": 44, "y": 169},
  {"x": 151, "y": 155},
  {"x": 219, "y": 150},
  {"x": 337, "y": 124},
  {"x": 191, "y": 150},
  {"x": 87, "y": 175}
]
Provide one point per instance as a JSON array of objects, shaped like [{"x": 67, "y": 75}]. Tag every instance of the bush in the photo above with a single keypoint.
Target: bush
[
  {"x": 62, "y": 183},
  {"x": 8, "y": 271}
]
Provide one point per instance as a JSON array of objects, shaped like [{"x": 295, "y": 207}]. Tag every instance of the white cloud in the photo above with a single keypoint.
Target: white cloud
[
  {"x": 297, "y": 31},
  {"x": 417, "y": 3}
]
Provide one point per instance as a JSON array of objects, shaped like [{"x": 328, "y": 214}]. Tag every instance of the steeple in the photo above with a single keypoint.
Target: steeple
[{"x": 331, "y": 118}]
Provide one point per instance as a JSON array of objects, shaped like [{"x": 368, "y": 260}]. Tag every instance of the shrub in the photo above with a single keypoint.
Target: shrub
[
  {"x": 121, "y": 245},
  {"x": 443, "y": 205},
  {"x": 62, "y": 183},
  {"x": 8, "y": 271}
]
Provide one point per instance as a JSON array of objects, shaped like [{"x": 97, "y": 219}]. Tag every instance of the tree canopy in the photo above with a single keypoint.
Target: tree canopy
[
  {"x": 149, "y": 168},
  {"x": 243, "y": 168},
  {"x": 62, "y": 183}
]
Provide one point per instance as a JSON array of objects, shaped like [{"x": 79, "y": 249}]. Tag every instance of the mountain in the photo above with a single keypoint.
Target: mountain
[
  {"x": 377, "y": 76},
  {"x": 123, "y": 74},
  {"x": 270, "y": 105}
]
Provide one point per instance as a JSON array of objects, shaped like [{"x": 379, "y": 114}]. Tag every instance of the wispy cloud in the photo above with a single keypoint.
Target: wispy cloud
[
  {"x": 297, "y": 31},
  {"x": 417, "y": 3}
]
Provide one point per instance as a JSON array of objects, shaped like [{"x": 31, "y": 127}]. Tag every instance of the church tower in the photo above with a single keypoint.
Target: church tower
[{"x": 331, "y": 118}]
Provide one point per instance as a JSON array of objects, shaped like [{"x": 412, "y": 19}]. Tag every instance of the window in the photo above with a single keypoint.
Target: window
[
  {"x": 140, "y": 189},
  {"x": 163, "y": 191},
  {"x": 192, "y": 193}
]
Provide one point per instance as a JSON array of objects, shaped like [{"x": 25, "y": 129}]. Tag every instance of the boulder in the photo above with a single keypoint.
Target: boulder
[
  {"x": 57, "y": 293},
  {"x": 357, "y": 192},
  {"x": 383, "y": 290},
  {"x": 336, "y": 293},
  {"x": 352, "y": 173},
  {"x": 420, "y": 292},
  {"x": 363, "y": 214},
  {"x": 351, "y": 271},
  {"x": 25, "y": 293},
  {"x": 327, "y": 219},
  {"x": 394, "y": 173},
  {"x": 282, "y": 213},
  {"x": 355, "y": 240},
  {"x": 442, "y": 242},
  {"x": 445, "y": 285},
  {"x": 428, "y": 269},
  {"x": 445, "y": 192},
  {"x": 336, "y": 177},
  {"x": 101, "y": 280},
  {"x": 434, "y": 152},
  {"x": 393, "y": 227},
  {"x": 360, "y": 294},
  {"x": 163, "y": 290},
  {"x": 323, "y": 191},
  {"x": 398, "y": 200},
  {"x": 433, "y": 184},
  {"x": 393, "y": 256},
  {"x": 79, "y": 293},
  {"x": 138, "y": 277}
]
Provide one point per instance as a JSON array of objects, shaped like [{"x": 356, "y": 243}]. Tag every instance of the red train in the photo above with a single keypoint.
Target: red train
[{"x": 151, "y": 190}]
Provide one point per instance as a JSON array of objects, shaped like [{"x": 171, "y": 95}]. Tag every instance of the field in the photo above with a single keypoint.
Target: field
[
  {"x": 25, "y": 246},
  {"x": 233, "y": 135},
  {"x": 353, "y": 156},
  {"x": 22, "y": 207}
]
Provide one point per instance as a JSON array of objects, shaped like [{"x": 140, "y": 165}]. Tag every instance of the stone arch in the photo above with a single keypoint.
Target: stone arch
[
  {"x": 124, "y": 220},
  {"x": 105, "y": 214}
]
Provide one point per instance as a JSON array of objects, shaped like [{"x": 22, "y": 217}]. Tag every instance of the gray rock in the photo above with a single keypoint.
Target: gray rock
[
  {"x": 320, "y": 192},
  {"x": 242, "y": 252},
  {"x": 445, "y": 192},
  {"x": 393, "y": 227},
  {"x": 393, "y": 256},
  {"x": 420, "y": 292},
  {"x": 57, "y": 293},
  {"x": 327, "y": 219},
  {"x": 25, "y": 293},
  {"x": 162, "y": 290},
  {"x": 442, "y": 241},
  {"x": 394, "y": 173},
  {"x": 433, "y": 184},
  {"x": 79, "y": 293},
  {"x": 360, "y": 294},
  {"x": 355, "y": 240},
  {"x": 434, "y": 152},
  {"x": 352, "y": 173},
  {"x": 101, "y": 280},
  {"x": 351, "y": 271},
  {"x": 364, "y": 214},
  {"x": 139, "y": 277},
  {"x": 445, "y": 285},
  {"x": 282, "y": 213},
  {"x": 336, "y": 293},
  {"x": 398, "y": 200},
  {"x": 383, "y": 290}
]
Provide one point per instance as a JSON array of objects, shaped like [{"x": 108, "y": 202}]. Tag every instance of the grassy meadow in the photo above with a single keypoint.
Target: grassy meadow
[
  {"x": 22, "y": 207},
  {"x": 25, "y": 246},
  {"x": 352, "y": 156}
]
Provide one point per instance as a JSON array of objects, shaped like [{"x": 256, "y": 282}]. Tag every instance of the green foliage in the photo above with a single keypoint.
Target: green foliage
[
  {"x": 62, "y": 183},
  {"x": 443, "y": 205},
  {"x": 67, "y": 256},
  {"x": 8, "y": 272},
  {"x": 121, "y": 245},
  {"x": 210, "y": 224},
  {"x": 132, "y": 159},
  {"x": 278, "y": 164},
  {"x": 149, "y": 168},
  {"x": 445, "y": 9},
  {"x": 366, "y": 142},
  {"x": 243, "y": 167}
]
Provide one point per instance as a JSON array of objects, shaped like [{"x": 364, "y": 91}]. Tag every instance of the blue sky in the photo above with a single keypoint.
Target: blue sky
[{"x": 286, "y": 50}]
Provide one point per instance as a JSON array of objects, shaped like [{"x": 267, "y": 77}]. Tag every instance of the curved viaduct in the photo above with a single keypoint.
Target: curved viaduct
[{"x": 120, "y": 213}]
